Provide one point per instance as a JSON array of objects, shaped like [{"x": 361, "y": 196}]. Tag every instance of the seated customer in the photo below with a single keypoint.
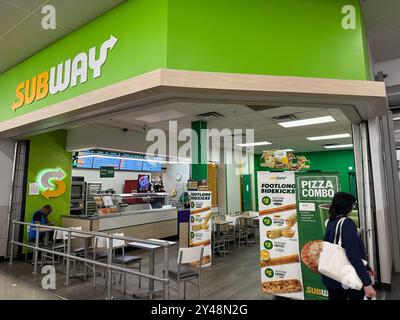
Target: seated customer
[{"x": 40, "y": 217}]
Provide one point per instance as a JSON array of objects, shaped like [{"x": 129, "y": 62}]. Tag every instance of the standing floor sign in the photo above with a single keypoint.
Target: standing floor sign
[
  {"x": 293, "y": 210},
  {"x": 279, "y": 248},
  {"x": 314, "y": 196},
  {"x": 200, "y": 223}
]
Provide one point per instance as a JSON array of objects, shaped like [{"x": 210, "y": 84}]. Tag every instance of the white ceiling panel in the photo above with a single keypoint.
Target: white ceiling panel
[
  {"x": 382, "y": 19},
  {"x": 242, "y": 117},
  {"x": 20, "y": 25}
]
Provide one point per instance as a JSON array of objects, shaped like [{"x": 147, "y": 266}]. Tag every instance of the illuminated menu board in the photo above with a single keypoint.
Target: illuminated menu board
[
  {"x": 151, "y": 166},
  {"x": 105, "y": 162},
  {"x": 120, "y": 161},
  {"x": 131, "y": 164},
  {"x": 84, "y": 163}
]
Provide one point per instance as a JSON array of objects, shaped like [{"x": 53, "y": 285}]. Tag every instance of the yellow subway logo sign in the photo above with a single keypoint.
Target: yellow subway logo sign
[
  {"x": 63, "y": 76},
  {"x": 317, "y": 292}
]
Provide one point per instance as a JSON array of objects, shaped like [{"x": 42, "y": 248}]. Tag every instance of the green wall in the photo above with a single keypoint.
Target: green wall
[
  {"x": 139, "y": 25},
  {"x": 47, "y": 151},
  {"x": 272, "y": 37},
  {"x": 199, "y": 166},
  {"x": 326, "y": 161}
]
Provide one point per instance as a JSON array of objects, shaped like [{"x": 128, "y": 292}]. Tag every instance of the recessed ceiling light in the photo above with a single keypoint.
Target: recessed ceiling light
[
  {"x": 339, "y": 146},
  {"x": 329, "y": 137},
  {"x": 306, "y": 122},
  {"x": 161, "y": 116},
  {"x": 254, "y": 144}
]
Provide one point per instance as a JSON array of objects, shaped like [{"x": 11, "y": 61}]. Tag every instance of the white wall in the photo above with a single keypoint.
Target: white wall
[
  {"x": 6, "y": 168},
  {"x": 392, "y": 69},
  {"x": 169, "y": 178},
  {"x": 92, "y": 175}
]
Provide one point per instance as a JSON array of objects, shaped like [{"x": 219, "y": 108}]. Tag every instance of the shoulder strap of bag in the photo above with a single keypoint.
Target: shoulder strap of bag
[{"x": 338, "y": 236}]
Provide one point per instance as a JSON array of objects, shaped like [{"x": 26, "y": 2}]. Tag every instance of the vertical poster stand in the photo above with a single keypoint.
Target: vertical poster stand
[
  {"x": 200, "y": 223},
  {"x": 279, "y": 247},
  {"x": 314, "y": 194}
]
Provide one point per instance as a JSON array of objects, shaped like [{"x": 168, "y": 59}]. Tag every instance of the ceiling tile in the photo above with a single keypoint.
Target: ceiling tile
[
  {"x": 72, "y": 14},
  {"x": 27, "y": 5},
  {"x": 9, "y": 17},
  {"x": 30, "y": 33}
]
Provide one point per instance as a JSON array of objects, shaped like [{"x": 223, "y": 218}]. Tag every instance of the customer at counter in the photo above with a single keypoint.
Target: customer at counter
[{"x": 41, "y": 217}]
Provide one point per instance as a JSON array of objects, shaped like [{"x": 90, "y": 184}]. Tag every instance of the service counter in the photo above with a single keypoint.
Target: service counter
[{"x": 143, "y": 224}]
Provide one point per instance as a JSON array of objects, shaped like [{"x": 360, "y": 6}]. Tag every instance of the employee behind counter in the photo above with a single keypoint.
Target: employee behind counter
[{"x": 41, "y": 217}]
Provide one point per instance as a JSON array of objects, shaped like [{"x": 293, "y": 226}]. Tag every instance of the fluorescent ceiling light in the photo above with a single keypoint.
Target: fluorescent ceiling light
[
  {"x": 397, "y": 118},
  {"x": 254, "y": 144},
  {"x": 306, "y": 122},
  {"x": 339, "y": 146},
  {"x": 286, "y": 150},
  {"x": 329, "y": 137},
  {"x": 162, "y": 116}
]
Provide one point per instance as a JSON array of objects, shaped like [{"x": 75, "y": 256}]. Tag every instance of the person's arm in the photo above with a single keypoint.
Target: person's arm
[
  {"x": 37, "y": 219},
  {"x": 350, "y": 242}
]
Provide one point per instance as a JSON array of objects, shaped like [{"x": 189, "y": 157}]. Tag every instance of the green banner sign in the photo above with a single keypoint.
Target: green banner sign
[
  {"x": 314, "y": 193},
  {"x": 107, "y": 172}
]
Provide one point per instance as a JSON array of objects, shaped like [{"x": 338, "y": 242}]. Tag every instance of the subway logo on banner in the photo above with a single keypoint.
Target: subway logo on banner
[{"x": 63, "y": 76}]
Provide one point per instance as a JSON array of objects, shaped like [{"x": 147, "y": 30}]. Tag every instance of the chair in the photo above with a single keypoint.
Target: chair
[
  {"x": 183, "y": 272},
  {"x": 218, "y": 243},
  {"x": 31, "y": 243},
  {"x": 124, "y": 260},
  {"x": 242, "y": 232},
  {"x": 230, "y": 235},
  {"x": 98, "y": 253},
  {"x": 254, "y": 228}
]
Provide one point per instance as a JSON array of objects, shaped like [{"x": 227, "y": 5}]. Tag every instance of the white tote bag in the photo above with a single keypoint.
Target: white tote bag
[{"x": 334, "y": 264}]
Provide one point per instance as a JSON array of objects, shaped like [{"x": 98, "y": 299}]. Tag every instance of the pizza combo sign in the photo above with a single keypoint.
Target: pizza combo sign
[{"x": 63, "y": 76}]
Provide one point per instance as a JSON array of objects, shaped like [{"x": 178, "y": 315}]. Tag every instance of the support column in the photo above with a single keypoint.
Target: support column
[{"x": 199, "y": 151}]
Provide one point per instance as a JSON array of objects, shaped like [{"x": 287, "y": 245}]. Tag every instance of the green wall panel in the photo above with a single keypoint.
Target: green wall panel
[
  {"x": 139, "y": 26},
  {"x": 326, "y": 161},
  {"x": 274, "y": 37},
  {"x": 47, "y": 151},
  {"x": 199, "y": 167}
]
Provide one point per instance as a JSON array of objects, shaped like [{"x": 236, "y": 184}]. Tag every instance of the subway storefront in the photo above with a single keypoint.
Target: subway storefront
[{"x": 120, "y": 124}]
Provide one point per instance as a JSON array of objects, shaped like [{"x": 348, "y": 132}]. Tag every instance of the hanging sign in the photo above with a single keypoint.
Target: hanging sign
[
  {"x": 283, "y": 160},
  {"x": 107, "y": 172},
  {"x": 279, "y": 246},
  {"x": 314, "y": 196},
  {"x": 200, "y": 223}
]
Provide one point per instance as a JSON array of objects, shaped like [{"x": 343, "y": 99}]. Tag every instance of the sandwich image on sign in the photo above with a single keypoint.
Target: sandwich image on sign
[
  {"x": 281, "y": 232},
  {"x": 281, "y": 286}
]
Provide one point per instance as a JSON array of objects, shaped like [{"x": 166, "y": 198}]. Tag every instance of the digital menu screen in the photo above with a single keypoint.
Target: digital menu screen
[
  {"x": 84, "y": 163},
  {"x": 152, "y": 166},
  {"x": 105, "y": 162},
  {"x": 94, "y": 159},
  {"x": 132, "y": 164}
]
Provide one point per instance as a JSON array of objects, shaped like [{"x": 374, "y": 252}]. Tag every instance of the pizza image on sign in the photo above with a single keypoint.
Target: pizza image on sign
[{"x": 310, "y": 254}]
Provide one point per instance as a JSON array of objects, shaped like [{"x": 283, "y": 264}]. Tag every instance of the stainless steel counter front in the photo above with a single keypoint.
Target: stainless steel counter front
[{"x": 153, "y": 223}]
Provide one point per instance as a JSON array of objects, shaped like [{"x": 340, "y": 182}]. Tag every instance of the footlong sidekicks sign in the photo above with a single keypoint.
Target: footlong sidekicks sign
[
  {"x": 279, "y": 246},
  {"x": 200, "y": 223}
]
